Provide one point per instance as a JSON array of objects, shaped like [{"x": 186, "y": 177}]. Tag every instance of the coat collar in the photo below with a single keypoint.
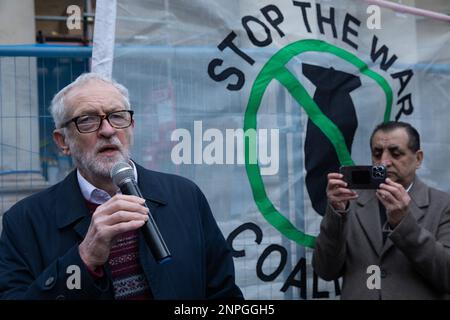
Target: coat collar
[
  {"x": 419, "y": 202},
  {"x": 70, "y": 204},
  {"x": 150, "y": 188},
  {"x": 419, "y": 194},
  {"x": 368, "y": 212}
]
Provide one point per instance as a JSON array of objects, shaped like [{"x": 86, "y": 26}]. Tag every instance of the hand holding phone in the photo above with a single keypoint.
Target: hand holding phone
[{"x": 337, "y": 192}]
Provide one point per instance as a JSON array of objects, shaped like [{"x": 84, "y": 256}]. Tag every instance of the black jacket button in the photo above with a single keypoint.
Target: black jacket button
[{"x": 49, "y": 281}]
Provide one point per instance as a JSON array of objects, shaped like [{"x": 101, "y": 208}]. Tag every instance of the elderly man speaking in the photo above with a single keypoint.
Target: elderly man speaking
[{"x": 84, "y": 225}]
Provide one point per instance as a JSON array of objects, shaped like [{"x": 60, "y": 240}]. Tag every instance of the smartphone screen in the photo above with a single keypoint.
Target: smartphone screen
[{"x": 361, "y": 177}]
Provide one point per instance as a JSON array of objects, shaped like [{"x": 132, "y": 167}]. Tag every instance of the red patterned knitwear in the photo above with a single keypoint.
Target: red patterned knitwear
[{"x": 128, "y": 277}]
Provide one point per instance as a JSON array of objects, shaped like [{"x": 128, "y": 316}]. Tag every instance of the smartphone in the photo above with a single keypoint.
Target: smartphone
[{"x": 364, "y": 177}]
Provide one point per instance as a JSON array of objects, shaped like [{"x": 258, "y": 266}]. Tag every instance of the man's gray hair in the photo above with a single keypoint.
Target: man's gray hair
[{"x": 58, "y": 108}]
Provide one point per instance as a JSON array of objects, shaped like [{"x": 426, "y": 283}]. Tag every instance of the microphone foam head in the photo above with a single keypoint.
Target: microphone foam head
[{"x": 121, "y": 171}]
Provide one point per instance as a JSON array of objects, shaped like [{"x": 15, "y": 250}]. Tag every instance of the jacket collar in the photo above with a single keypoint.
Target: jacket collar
[
  {"x": 420, "y": 195},
  {"x": 150, "y": 189},
  {"x": 70, "y": 204},
  {"x": 367, "y": 213}
]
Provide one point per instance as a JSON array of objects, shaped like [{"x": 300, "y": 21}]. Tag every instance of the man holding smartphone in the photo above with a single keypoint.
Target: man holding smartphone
[{"x": 402, "y": 228}]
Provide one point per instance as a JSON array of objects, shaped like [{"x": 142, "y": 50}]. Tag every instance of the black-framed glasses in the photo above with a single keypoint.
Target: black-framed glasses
[{"x": 89, "y": 123}]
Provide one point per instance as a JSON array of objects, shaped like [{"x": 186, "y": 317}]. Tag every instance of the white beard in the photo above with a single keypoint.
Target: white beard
[{"x": 97, "y": 164}]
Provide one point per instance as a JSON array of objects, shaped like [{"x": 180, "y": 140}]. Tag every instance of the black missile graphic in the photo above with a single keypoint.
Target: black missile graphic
[{"x": 332, "y": 95}]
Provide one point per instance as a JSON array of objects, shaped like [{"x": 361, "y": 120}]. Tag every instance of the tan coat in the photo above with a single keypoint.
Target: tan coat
[{"x": 414, "y": 261}]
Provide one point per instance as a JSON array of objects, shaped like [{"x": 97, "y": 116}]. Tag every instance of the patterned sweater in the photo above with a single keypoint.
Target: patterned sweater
[{"x": 128, "y": 277}]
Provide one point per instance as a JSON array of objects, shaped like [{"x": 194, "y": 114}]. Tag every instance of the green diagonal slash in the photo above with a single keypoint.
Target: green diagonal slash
[{"x": 275, "y": 68}]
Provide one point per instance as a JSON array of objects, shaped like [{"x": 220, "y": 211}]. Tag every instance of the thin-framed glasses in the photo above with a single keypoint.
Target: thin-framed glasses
[{"x": 89, "y": 123}]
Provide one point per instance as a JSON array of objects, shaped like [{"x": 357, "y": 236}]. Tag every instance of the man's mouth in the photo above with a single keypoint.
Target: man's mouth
[
  {"x": 108, "y": 149},
  {"x": 391, "y": 174}
]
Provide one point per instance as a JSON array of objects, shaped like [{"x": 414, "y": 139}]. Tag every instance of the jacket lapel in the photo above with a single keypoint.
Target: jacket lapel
[
  {"x": 368, "y": 216},
  {"x": 70, "y": 206},
  {"x": 157, "y": 275},
  {"x": 150, "y": 188},
  {"x": 419, "y": 201}
]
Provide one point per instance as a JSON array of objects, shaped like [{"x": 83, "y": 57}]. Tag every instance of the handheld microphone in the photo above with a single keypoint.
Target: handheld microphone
[{"x": 122, "y": 175}]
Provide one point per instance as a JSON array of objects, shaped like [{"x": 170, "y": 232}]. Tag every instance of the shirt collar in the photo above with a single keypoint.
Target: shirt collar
[
  {"x": 94, "y": 194},
  {"x": 410, "y": 186}
]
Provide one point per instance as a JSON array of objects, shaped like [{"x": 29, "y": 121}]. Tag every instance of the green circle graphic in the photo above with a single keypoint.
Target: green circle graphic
[{"x": 275, "y": 69}]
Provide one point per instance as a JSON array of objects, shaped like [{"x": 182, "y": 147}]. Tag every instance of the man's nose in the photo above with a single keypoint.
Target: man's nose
[
  {"x": 385, "y": 160},
  {"x": 106, "y": 129}
]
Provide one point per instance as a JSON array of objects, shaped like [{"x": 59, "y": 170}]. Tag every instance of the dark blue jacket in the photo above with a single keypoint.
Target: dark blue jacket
[{"x": 41, "y": 234}]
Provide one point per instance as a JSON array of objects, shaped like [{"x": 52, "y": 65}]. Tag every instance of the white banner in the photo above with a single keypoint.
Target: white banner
[{"x": 305, "y": 82}]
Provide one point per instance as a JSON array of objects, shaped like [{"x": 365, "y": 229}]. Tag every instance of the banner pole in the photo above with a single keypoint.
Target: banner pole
[
  {"x": 411, "y": 10},
  {"x": 104, "y": 37}
]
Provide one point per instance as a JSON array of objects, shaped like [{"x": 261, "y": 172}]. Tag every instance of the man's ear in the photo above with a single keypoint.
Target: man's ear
[
  {"x": 419, "y": 158},
  {"x": 60, "y": 140}
]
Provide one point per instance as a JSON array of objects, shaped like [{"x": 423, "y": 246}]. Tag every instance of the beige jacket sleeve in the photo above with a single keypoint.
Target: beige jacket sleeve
[{"x": 330, "y": 250}]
